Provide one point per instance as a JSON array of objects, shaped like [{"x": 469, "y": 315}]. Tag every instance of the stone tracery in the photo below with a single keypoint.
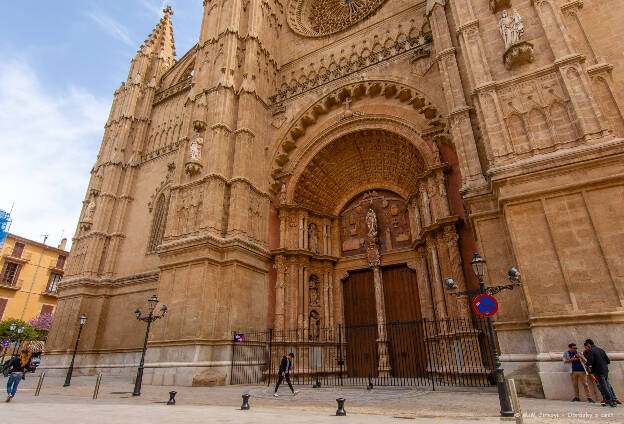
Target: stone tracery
[{"x": 319, "y": 18}]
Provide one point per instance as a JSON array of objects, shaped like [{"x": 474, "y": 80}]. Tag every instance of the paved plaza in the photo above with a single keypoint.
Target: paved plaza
[{"x": 115, "y": 404}]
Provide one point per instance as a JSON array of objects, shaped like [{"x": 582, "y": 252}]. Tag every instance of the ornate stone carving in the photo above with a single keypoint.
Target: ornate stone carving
[
  {"x": 87, "y": 216},
  {"x": 313, "y": 238},
  {"x": 317, "y": 18},
  {"x": 193, "y": 164},
  {"x": 511, "y": 28},
  {"x": 314, "y": 290},
  {"x": 517, "y": 52}
]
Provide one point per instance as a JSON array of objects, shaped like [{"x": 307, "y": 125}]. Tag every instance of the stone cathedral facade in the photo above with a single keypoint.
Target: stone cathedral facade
[{"x": 304, "y": 145}]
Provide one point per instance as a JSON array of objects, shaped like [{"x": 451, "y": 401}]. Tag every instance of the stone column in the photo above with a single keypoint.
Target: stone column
[
  {"x": 419, "y": 265},
  {"x": 382, "y": 340},
  {"x": 461, "y": 129},
  {"x": 326, "y": 304},
  {"x": 281, "y": 269},
  {"x": 444, "y": 203},
  {"x": 451, "y": 239},
  {"x": 438, "y": 293}
]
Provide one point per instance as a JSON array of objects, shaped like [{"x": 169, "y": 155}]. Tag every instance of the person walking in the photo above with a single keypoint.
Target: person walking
[
  {"x": 286, "y": 365},
  {"x": 16, "y": 367},
  {"x": 577, "y": 372},
  {"x": 598, "y": 363}
]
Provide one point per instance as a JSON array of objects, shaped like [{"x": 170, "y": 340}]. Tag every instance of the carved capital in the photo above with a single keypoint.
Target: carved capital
[{"x": 342, "y": 275}]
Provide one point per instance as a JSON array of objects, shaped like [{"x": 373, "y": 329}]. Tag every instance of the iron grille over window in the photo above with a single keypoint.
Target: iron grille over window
[
  {"x": 53, "y": 282},
  {"x": 10, "y": 273},
  {"x": 158, "y": 225}
]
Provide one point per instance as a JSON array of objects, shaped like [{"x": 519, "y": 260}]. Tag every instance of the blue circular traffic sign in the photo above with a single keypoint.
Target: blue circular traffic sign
[{"x": 485, "y": 305}]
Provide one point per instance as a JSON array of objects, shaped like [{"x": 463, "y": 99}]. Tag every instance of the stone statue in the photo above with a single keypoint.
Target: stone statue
[
  {"x": 315, "y": 325},
  {"x": 282, "y": 194},
  {"x": 313, "y": 289},
  {"x": 90, "y": 211},
  {"x": 371, "y": 222},
  {"x": 511, "y": 28},
  {"x": 195, "y": 149},
  {"x": 313, "y": 238}
]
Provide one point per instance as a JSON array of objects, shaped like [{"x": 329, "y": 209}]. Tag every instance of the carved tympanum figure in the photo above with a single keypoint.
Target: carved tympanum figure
[{"x": 371, "y": 222}]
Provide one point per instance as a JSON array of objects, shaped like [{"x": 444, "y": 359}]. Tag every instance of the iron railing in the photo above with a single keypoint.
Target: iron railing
[{"x": 425, "y": 353}]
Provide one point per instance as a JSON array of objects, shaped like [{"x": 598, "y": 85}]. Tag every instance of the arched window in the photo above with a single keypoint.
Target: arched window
[{"x": 158, "y": 223}]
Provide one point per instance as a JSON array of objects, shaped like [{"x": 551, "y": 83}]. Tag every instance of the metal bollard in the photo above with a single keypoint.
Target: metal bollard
[
  {"x": 341, "y": 411},
  {"x": 370, "y": 383},
  {"x": 39, "y": 384},
  {"x": 96, "y": 390},
  {"x": 245, "y": 405},
  {"x": 317, "y": 385},
  {"x": 171, "y": 400}
]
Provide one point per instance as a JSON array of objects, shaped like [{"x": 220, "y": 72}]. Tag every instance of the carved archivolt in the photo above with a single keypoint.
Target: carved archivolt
[
  {"x": 318, "y": 18},
  {"x": 373, "y": 158},
  {"x": 352, "y": 93}
]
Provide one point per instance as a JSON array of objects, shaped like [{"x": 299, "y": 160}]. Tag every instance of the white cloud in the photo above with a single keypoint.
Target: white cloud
[
  {"x": 112, "y": 27},
  {"x": 48, "y": 144}
]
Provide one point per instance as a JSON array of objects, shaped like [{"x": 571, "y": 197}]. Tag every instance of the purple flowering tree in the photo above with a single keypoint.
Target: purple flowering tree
[{"x": 42, "y": 324}]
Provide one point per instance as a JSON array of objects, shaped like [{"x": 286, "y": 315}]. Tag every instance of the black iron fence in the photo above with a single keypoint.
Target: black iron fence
[{"x": 452, "y": 352}]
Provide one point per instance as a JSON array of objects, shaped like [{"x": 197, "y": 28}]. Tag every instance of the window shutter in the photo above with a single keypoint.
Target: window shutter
[
  {"x": 18, "y": 249},
  {"x": 3, "y": 305},
  {"x": 18, "y": 269},
  {"x": 4, "y": 272},
  {"x": 46, "y": 309},
  {"x": 60, "y": 263}
]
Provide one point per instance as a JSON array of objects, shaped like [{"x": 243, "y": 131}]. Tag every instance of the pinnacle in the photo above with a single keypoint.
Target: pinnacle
[{"x": 161, "y": 40}]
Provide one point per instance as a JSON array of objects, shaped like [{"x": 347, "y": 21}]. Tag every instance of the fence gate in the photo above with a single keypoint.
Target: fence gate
[{"x": 424, "y": 353}]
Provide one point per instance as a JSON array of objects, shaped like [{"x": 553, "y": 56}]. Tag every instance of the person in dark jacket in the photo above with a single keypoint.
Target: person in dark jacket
[
  {"x": 284, "y": 373},
  {"x": 17, "y": 368},
  {"x": 598, "y": 363}
]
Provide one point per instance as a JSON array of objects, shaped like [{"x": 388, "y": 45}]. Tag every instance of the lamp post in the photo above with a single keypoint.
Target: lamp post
[
  {"x": 478, "y": 266},
  {"x": 20, "y": 330},
  {"x": 11, "y": 330},
  {"x": 152, "y": 301},
  {"x": 83, "y": 321}
]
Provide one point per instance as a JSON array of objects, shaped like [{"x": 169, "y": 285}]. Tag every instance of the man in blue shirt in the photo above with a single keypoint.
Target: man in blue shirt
[{"x": 577, "y": 372}]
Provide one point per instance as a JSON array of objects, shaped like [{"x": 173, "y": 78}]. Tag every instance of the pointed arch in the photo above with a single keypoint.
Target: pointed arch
[
  {"x": 517, "y": 134},
  {"x": 159, "y": 222}
]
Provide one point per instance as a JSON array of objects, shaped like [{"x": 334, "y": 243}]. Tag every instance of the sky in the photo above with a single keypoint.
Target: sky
[{"x": 61, "y": 63}]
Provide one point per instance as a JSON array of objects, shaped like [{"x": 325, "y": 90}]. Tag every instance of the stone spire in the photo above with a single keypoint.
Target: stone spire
[{"x": 161, "y": 40}]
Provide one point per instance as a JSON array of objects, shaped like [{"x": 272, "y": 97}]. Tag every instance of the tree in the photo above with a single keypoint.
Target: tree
[
  {"x": 30, "y": 332},
  {"x": 42, "y": 324}
]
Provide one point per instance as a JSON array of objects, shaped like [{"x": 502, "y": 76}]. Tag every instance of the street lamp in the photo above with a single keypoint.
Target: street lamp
[
  {"x": 83, "y": 321},
  {"x": 478, "y": 266},
  {"x": 152, "y": 302},
  {"x": 20, "y": 330}
]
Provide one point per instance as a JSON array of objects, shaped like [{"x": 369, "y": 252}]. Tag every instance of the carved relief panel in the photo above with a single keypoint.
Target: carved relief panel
[{"x": 393, "y": 222}]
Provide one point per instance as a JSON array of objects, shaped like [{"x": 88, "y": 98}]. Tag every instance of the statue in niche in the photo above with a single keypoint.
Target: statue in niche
[
  {"x": 282, "y": 194},
  {"x": 511, "y": 28},
  {"x": 313, "y": 238},
  {"x": 195, "y": 149},
  {"x": 371, "y": 222},
  {"x": 315, "y": 325},
  {"x": 313, "y": 291},
  {"x": 90, "y": 210}
]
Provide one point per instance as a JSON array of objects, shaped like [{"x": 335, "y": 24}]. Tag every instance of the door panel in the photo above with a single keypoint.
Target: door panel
[
  {"x": 360, "y": 324},
  {"x": 406, "y": 341}
]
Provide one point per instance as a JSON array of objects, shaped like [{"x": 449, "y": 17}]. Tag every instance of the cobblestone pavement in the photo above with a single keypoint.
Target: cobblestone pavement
[{"x": 221, "y": 404}]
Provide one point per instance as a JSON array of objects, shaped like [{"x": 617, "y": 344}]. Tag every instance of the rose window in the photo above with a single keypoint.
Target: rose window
[{"x": 318, "y": 18}]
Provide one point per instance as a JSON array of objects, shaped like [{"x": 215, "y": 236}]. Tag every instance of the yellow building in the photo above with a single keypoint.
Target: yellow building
[{"x": 29, "y": 275}]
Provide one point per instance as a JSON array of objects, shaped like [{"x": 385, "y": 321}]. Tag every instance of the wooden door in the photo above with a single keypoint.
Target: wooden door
[
  {"x": 360, "y": 324},
  {"x": 404, "y": 329}
]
